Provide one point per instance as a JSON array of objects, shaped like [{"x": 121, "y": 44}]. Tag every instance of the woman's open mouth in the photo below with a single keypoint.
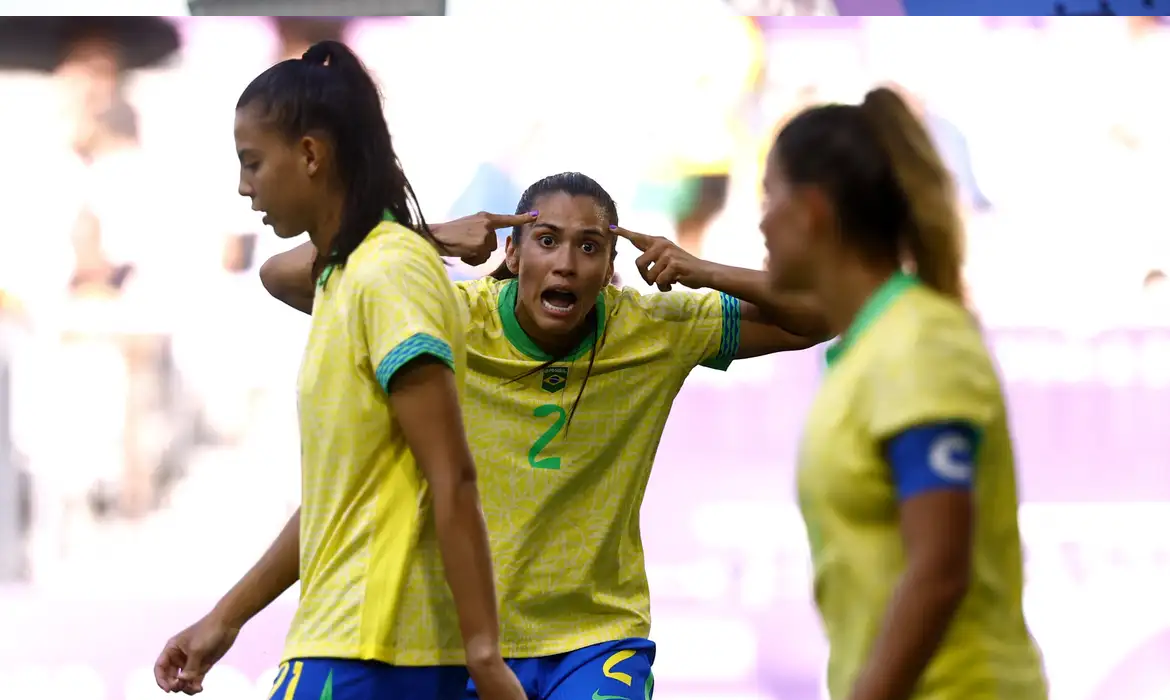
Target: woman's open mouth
[{"x": 558, "y": 302}]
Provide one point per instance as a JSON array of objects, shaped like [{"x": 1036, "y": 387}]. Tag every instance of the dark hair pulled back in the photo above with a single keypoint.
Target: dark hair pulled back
[
  {"x": 329, "y": 91},
  {"x": 572, "y": 184}
]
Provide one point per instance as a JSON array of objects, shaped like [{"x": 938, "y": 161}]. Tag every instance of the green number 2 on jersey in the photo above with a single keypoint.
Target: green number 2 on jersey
[{"x": 534, "y": 459}]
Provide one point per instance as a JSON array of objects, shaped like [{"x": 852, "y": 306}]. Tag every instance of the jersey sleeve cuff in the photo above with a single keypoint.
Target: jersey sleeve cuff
[
  {"x": 729, "y": 338},
  {"x": 412, "y": 348}
]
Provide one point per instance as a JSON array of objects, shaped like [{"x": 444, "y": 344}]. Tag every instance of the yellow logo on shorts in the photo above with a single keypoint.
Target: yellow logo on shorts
[{"x": 607, "y": 667}]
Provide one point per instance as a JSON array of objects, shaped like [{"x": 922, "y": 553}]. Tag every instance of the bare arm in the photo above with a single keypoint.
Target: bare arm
[
  {"x": 770, "y": 321},
  {"x": 936, "y": 527},
  {"x": 288, "y": 277},
  {"x": 426, "y": 404},
  {"x": 276, "y": 571}
]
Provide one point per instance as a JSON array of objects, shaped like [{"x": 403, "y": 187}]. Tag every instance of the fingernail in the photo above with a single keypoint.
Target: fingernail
[
  {"x": 533, "y": 213},
  {"x": 613, "y": 227}
]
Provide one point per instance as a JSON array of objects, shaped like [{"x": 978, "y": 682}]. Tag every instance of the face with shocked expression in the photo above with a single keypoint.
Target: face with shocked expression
[{"x": 562, "y": 261}]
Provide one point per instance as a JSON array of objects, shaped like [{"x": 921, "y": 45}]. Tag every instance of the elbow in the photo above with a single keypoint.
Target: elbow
[
  {"x": 951, "y": 590},
  {"x": 945, "y": 583},
  {"x": 804, "y": 342},
  {"x": 814, "y": 329},
  {"x": 270, "y": 277},
  {"x": 801, "y": 317},
  {"x": 288, "y": 282},
  {"x": 454, "y": 483}
]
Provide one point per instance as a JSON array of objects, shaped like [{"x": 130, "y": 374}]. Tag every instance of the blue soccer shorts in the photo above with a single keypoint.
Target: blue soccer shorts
[
  {"x": 607, "y": 671},
  {"x": 350, "y": 679}
]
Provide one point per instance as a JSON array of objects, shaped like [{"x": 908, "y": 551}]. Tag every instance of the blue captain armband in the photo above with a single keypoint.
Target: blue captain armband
[{"x": 933, "y": 457}]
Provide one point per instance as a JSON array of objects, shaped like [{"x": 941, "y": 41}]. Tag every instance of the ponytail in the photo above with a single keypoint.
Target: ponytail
[
  {"x": 503, "y": 272},
  {"x": 933, "y": 232},
  {"x": 330, "y": 91}
]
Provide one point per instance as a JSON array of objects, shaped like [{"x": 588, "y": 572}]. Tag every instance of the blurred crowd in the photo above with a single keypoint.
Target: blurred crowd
[{"x": 142, "y": 366}]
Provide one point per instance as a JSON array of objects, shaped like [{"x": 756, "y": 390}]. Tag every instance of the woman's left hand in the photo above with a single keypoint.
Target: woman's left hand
[{"x": 664, "y": 264}]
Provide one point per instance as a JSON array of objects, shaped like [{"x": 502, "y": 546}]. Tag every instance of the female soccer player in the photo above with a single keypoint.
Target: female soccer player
[
  {"x": 382, "y": 437},
  {"x": 570, "y": 382},
  {"x": 906, "y": 476}
]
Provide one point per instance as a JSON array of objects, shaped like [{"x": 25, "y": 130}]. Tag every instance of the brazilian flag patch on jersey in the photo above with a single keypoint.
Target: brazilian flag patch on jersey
[{"x": 554, "y": 379}]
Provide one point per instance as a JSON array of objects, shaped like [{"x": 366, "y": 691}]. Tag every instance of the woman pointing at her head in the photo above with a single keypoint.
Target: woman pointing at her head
[{"x": 569, "y": 386}]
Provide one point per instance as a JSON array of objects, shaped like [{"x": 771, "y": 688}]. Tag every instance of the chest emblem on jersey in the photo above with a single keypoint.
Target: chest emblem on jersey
[{"x": 554, "y": 379}]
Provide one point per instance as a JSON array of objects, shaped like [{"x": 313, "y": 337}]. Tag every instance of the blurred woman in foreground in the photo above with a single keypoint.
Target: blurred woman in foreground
[{"x": 906, "y": 473}]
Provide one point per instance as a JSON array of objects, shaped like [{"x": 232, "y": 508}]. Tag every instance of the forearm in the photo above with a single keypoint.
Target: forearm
[
  {"x": 796, "y": 313},
  {"x": 276, "y": 571},
  {"x": 918, "y": 617},
  {"x": 466, "y": 552}
]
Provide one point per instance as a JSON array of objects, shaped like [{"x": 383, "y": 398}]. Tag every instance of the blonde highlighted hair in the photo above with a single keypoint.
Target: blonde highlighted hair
[
  {"x": 893, "y": 196},
  {"x": 933, "y": 234}
]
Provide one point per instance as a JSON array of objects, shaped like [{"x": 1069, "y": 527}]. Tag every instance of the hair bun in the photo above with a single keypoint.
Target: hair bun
[{"x": 320, "y": 53}]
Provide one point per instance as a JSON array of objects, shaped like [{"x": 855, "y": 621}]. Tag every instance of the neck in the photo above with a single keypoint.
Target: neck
[
  {"x": 323, "y": 231},
  {"x": 847, "y": 287},
  {"x": 554, "y": 346}
]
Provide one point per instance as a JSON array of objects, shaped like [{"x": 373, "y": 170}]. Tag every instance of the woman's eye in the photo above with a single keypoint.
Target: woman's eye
[
  {"x": 589, "y": 247},
  {"x": 546, "y": 240}
]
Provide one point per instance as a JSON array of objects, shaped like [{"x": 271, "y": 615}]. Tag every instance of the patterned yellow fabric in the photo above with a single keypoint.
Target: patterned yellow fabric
[
  {"x": 365, "y": 521},
  {"x": 562, "y": 499},
  {"x": 913, "y": 357}
]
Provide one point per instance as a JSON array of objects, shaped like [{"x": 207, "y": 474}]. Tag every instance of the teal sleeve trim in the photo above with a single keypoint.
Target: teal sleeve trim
[
  {"x": 729, "y": 340},
  {"x": 412, "y": 348}
]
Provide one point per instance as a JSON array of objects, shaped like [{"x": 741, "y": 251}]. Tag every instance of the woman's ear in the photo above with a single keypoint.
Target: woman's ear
[{"x": 512, "y": 256}]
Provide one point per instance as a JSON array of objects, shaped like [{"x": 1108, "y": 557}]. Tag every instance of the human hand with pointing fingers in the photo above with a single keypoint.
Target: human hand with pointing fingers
[
  {"x": 473, "y": 238},
  {"x": 663, "y": 263}
]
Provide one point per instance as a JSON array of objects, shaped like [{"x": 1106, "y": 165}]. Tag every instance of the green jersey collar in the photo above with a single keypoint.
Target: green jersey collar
[
  {"x": 871, "y": 310},
  {"x": 520, "y": 340},
  {"x": 328, "y": 270}
]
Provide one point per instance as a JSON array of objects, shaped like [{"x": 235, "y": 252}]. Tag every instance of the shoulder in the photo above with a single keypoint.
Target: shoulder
[
  {"x": 480, "y": 298},
  {"x": 929, "y": 321},
  {"x": 925, "y": 362},
  {"x": 661, "y": 307},
  {"x": 482, "y": 291},
  {"x": 394, "y": 248},
  {"x": 935, "y": 336}
]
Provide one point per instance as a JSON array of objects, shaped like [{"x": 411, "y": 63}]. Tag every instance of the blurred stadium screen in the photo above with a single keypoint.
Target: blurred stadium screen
[{"x": 310, "y": 8}]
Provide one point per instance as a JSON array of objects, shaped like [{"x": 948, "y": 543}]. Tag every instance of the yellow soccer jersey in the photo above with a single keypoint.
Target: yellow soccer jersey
[
  {"x": 562, "y": 500},
  {"x": 365, "y": 518},
  {"x": 913, "y": 357}
]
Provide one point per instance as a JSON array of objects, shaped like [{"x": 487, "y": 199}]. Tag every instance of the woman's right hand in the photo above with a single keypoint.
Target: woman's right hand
[
  {"x": 473, "y": 238},
  {"x": 494, "y": 680},
  {"x": 189, "y": 655}
]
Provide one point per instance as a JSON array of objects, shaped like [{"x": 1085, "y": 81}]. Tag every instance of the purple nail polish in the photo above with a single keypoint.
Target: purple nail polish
[
  {"x": 613, "y": 227},
  {"x": 533, "y": 213}
]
